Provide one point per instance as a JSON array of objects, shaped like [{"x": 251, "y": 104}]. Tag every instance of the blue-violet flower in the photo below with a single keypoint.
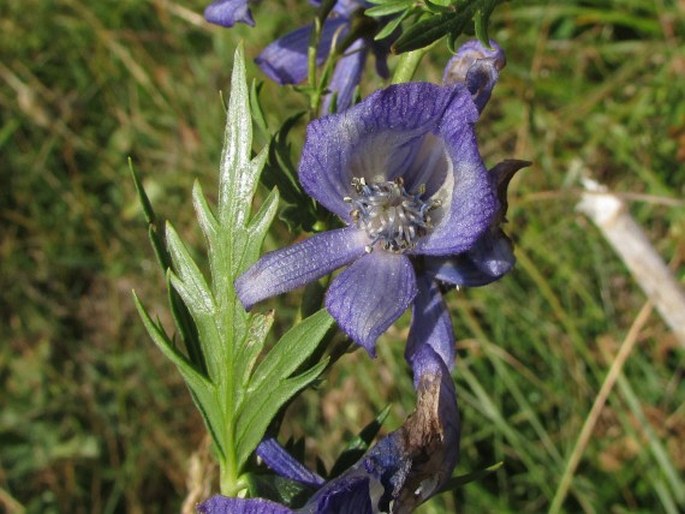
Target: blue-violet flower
[
  {"x": 403, "y": 172},
  {"x": 229, "y": 12},
  {"x": 285, "y": 60}
]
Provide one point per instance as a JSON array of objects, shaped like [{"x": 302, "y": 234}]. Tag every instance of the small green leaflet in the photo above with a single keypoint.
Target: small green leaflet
[{"x": 451, "y": 21}]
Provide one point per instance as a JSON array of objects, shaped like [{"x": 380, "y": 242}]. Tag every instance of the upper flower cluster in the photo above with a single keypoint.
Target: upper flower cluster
[
  {"x": 403, "y": 172},
  {"x": 285, "y": 60}
]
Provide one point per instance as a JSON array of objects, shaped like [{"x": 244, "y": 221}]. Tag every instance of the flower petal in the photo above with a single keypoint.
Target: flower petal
[
  {"x": 279, "y": 460},
  {"x": 348, "y": 7},
  {"x": 501, "y": 174},
  {"x": 431, "y": 324},
  {"x": 224, "y": 505},
  {"x": 371, "y": 484},
  {"x": 490, "y": 258},
  {"x": 493, "y": 254},
  {"x": 291, "y": 267},
  {"x": 478, "y": 67},
  {"x": 366, "y": 298},
  {"x": 369, "y": 140},
  {"x": 285, "y": 60},
  {"x": 229, "y": 12},
  {"x": 342, "y": 496},
  {"x": 343, "y": 7},
  {"x": 437, "y": 407},
  {"x": 346, "y": 77},
  {"x": 426, "y": 167},
  {"x": 467, "y": 213}
]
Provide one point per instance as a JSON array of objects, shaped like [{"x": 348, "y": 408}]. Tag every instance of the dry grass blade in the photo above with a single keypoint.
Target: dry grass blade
[
  {"x": 609, "y": 213},
  {"x": 600, "y": 401}
]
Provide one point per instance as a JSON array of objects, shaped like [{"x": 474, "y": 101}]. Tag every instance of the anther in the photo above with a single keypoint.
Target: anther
[{"x": 389, "y": 214}]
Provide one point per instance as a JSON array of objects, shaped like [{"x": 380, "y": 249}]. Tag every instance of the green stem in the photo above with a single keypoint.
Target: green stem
[
  {"x": 230, "y": 483},
  {"x": 311, "y": 53}
]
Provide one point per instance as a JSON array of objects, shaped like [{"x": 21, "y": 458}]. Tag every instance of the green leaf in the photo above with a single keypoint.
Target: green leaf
[
  {"x": 160, "y": 338},
  {"x": 199, "y": 297},
  {"x": 427, "y": 31},
  {"x": 186, "y": 327},
  {"x": 391, "y": 26},
  {"x": 237, "y": 175},
  {"x": 446, "y": 21},
  {"x": 292, "y": 349},
  {"x": 229, "y": 338},
  {"x": 259, "y": 226},
  {"x": 203, "y": 391},
  {"x": 480, "y": 22},
  {"x": 182, "y": 319},
  {"x": 205, "y": 216},
  {"x": 279, "y": 489},
  {"x": 190, "y": 283},
  {"x": 261, "y": 221},
  {"x": 249, "y": 350},
  {"x": 271, "y": 386},
  {"x": 357, "y": 447},
  {"x": 148, "y": 211},
  {"x": 386, "y": 8},
  {"x": 262, "y": 405},
  {"x": 161, "y": 253},
  {"x": 193, "y": 378},
  {"x": 280, "y": 170},
  {"x": 462, "y": 480},
  {"x": 256, "y": 107},
  {"x": 439, "y": 8},
  {"x": 247, "y": 242}
]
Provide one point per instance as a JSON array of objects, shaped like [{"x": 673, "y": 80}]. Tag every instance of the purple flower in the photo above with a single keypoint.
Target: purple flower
[
  {"x": 285, "y": 60},
  {"x": 229, "y": 12},
  {"x": 403, "y": 172},
  {"x": 402, "y": 471},
  {"x": 477, "y": 67}
]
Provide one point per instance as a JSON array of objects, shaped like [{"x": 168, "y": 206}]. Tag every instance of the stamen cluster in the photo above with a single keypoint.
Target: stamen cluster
[{"x": 390, "y": 215}]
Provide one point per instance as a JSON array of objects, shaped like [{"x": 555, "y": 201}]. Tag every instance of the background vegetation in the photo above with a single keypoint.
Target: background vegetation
[{"x": 94, "y": 420}]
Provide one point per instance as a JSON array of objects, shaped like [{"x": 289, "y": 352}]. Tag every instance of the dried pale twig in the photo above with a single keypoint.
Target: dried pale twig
[{"x": 610, "y": 215}]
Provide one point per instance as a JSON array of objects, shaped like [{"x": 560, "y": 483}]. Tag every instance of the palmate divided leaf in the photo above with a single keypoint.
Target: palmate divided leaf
[{"x": 237, "y": 398}]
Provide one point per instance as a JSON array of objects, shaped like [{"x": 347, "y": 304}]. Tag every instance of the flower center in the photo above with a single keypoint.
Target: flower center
[{"x": 390, "y": 215}]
